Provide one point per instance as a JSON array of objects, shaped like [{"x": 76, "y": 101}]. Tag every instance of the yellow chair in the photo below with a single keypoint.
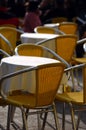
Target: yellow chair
[
  {"x": 48, "y": 78},
  {"x": 8, "y": 25},
  {"x": 10, "y": 35},
  {"x": 64, "y": 46},
  {"x": 59, "y": 19},
  {"x": 76, "y": 60},
  {"x": 28, "y": 49},
  {"x": 76, "y": 100},
  {"x": 43, "y": 29},
  {"x": 68, "y": 27},
  {"x": 82, "y": 59},
  {"x": 3, "y": 103}
]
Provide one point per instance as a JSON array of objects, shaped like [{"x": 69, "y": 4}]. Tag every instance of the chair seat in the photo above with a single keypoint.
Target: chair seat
[
  {"x": 2, "y": 102},
  {"x": 74, "y": 97},
  {"x": 80, "y": 60},
  {"x": 26, "y": 99}
]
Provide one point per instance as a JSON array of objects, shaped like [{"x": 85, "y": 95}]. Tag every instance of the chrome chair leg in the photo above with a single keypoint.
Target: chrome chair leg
[
  {"x": 44, "y": 119},
  {"x": 25, "y": 127},
  {"x": 56, "y": 117},
  {"x": 78, "y": 121},
  {"x": 8, "y": 117},
  {"x": 73, "y": 117},
  {"x": 26, "y": 113},
  {"x": 38, "y": 119},
  {"x": 63, "y": 117}
]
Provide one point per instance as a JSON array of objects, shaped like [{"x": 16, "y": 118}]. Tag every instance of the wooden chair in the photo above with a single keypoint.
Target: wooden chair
[{"x": 48, "y": 78}]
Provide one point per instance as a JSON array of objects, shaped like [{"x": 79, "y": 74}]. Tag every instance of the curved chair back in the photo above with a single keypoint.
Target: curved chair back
[
  {"x": 11, "y": 35},
  {"x": 28, "y": 49},
  {"x": 65, "y": 46},
  {"x": 43, "y": 29},
  {"x": 68, "y": 27},
  {"x": 59, "y": 19},
  {"x": 47, "y": 76}
]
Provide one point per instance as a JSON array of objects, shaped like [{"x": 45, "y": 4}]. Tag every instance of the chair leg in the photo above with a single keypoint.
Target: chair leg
[
  {"x": 8, "y": 117},
  {"x": 38, "y": 119},
  {"x": 26, "y": 113},
  {"x": 63, "y": 117},
  {"x": 73, "y": 117},
  {"x": 11, "y": 110},
  {"x": 73, "y": 83},
  {"x": 44, "y": 120},
  {"x": 78, "y": 121},
  {"x": 56, "y": 117},
  {"x": 25, "y": 127}
]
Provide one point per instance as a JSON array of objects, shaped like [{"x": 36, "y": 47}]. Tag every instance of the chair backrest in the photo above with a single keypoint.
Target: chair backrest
[
  {"x": 64, "y": 46},
  {"x": 82, "y": 71},
  {"x": 8, "y": 25},
  {"x": 11, "y": 34},
  {"x": 48, "y": 77},
  {"x": 59, "y": 19},
  {"x": 68, "y": 27},
  {"x": 43, "y": 29},
  {"x": 28, "y": 49}
]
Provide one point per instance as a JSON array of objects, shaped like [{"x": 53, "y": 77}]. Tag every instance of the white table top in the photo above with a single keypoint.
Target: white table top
[
  {"x": 36, "y": 37},
  {"x": 27, "y": 60}
]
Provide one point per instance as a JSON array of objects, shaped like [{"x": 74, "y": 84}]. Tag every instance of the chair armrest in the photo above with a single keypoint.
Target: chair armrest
[
  {"x": 81, "y": 41},
  {"x": 7, "y": 42},
  {"x": 16, "y": 73},
  {"x": 4, "y": 53},
  {"x": 74, "y": 67}
]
